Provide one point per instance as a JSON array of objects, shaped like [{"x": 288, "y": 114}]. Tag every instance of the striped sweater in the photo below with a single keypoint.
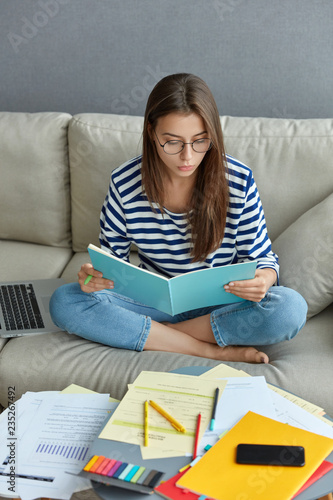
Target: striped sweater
[{"x": 163, "y": 240}]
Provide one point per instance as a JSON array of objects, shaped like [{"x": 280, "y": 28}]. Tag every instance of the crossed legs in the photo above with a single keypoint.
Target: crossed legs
[
  {"x": 229, "y": 332},
  {"x": 195, "y": 337}
]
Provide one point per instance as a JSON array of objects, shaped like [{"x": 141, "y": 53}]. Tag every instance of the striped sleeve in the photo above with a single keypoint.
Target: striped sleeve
[
  {"x": 113, "y": 233},
  {"x": 252, "y": 241}
]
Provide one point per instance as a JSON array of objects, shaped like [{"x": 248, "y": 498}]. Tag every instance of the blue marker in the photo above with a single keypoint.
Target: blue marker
[{"x": 216, "y": 398}]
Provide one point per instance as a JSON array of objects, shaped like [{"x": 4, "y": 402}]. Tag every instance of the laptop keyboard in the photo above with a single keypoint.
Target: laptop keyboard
[{"x": 20, "y": 308}]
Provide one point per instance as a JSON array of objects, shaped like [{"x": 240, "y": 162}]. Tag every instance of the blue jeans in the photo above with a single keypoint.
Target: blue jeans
[{"x": 112, "y": 319}]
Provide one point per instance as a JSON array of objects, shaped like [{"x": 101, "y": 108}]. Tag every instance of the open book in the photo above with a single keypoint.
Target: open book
[{"x": 171, "y": 295}]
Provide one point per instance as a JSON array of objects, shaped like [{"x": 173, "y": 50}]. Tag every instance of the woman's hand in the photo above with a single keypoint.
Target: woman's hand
[
  {"x": 254, "y": 289},
  {"x": 97, "y": 282}
]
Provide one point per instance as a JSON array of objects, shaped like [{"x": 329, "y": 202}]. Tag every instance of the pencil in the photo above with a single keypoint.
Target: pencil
[
  {"x": 216, "y": 398},
  {"x": 166, "y": 415},
  {"x": 146, "y": 423},
  {"x": 196, "y": 441}
]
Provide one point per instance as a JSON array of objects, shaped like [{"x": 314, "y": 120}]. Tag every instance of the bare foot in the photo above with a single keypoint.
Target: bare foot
[
  {"x": 209, "y": 348},
  {"x": 245, "y": 354},
  {"x": 164, "y": 337}
]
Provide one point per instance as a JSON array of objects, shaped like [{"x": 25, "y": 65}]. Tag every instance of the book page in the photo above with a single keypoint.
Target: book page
[
  {"x": 205, "y": 287},
  {"x": 132, "y": 281}
]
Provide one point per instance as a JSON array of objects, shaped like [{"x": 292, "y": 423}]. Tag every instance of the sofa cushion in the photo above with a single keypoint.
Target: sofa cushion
[
  {"x": 98, "y": 143},
  {"x": 291, "y": 161},
  {"x": 26, "y": 261},
  {"x": 305, "y": 253},
  {"x": 34, "y": 187},
  {"x": 53, "y": 361}
]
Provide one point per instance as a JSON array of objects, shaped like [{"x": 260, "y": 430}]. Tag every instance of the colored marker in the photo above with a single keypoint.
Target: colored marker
[
  {"x": 216, "y": 398},
  {"x": 166, "y": 415},
  {"x": 88, "y": 278},
  {"x": 196, "y": 441}
]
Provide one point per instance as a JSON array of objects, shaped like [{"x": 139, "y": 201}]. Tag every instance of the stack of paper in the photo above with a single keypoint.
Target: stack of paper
[
  {"x": 218, "y": 476},
  {"x": 225, "y": 371},
  {"x": 51, "y": 442},
  {"x": 244, "y": 393}
]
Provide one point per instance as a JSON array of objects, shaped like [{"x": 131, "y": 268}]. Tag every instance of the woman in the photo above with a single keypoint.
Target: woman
[{"x": 186, "y": 205}]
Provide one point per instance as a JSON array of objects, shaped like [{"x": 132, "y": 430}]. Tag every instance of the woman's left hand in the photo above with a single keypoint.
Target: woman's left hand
[{"x": 254, "y": 289}]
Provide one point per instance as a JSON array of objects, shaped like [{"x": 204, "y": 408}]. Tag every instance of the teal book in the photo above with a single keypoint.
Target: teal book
[{"x": 171, "y": 295}]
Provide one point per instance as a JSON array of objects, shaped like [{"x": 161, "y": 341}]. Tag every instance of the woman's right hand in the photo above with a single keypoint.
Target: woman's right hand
[{"x": 97, "y": 282}]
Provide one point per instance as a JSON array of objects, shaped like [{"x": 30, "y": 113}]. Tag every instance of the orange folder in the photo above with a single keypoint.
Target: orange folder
[{"x": 218, "y": 476}]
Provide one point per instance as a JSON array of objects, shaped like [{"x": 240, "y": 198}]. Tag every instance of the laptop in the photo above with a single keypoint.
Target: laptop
[{"x": 24, "y": 307}]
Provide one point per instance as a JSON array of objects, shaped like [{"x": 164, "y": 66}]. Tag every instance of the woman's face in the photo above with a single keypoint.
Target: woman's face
[{"x": 179, "y": 127}]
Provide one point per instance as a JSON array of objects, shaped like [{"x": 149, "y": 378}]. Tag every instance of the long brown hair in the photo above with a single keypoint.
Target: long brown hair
[{"x": 185, "y": 93}]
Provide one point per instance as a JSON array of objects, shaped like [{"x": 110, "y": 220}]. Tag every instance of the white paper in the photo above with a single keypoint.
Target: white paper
[
  {"x": 56, "y": 432},
  {"x": 62, "y": 431},
  {"x": 289, "y": 413},
  {"x": 242, "y": 394}
]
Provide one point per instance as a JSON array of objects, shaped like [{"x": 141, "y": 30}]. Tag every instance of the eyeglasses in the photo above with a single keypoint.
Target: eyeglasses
[{"x": 175, "y": 147}]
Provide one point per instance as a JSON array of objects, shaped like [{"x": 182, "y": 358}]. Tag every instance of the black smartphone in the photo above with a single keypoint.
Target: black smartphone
[{"x": 266, "y": 454}]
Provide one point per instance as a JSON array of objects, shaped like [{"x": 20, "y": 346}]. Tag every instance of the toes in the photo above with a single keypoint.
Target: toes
[
  {"x": 247, "y": 354},
  {"x": 264, "y": 359},
  {"x": 261, "y": 357},
  {"x": 254, "y": 356}
]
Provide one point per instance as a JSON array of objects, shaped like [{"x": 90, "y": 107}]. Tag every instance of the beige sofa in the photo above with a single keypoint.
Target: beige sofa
[{"x": 54, "y": 174}]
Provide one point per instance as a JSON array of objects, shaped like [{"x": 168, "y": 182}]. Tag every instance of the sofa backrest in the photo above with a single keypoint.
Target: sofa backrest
[
  {"x": 292, "y": 161},
  {"x": 98, "y": 143},
  {"x": 45, "y": 199},
  {"x": 34, "y": 178}
]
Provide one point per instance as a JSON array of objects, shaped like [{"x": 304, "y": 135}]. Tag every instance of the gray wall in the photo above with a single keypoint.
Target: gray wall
[{"x": 260, "y": 57}]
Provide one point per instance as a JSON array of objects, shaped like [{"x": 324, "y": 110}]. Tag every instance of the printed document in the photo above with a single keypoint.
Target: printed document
[{"x": 182, "y": 396}]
